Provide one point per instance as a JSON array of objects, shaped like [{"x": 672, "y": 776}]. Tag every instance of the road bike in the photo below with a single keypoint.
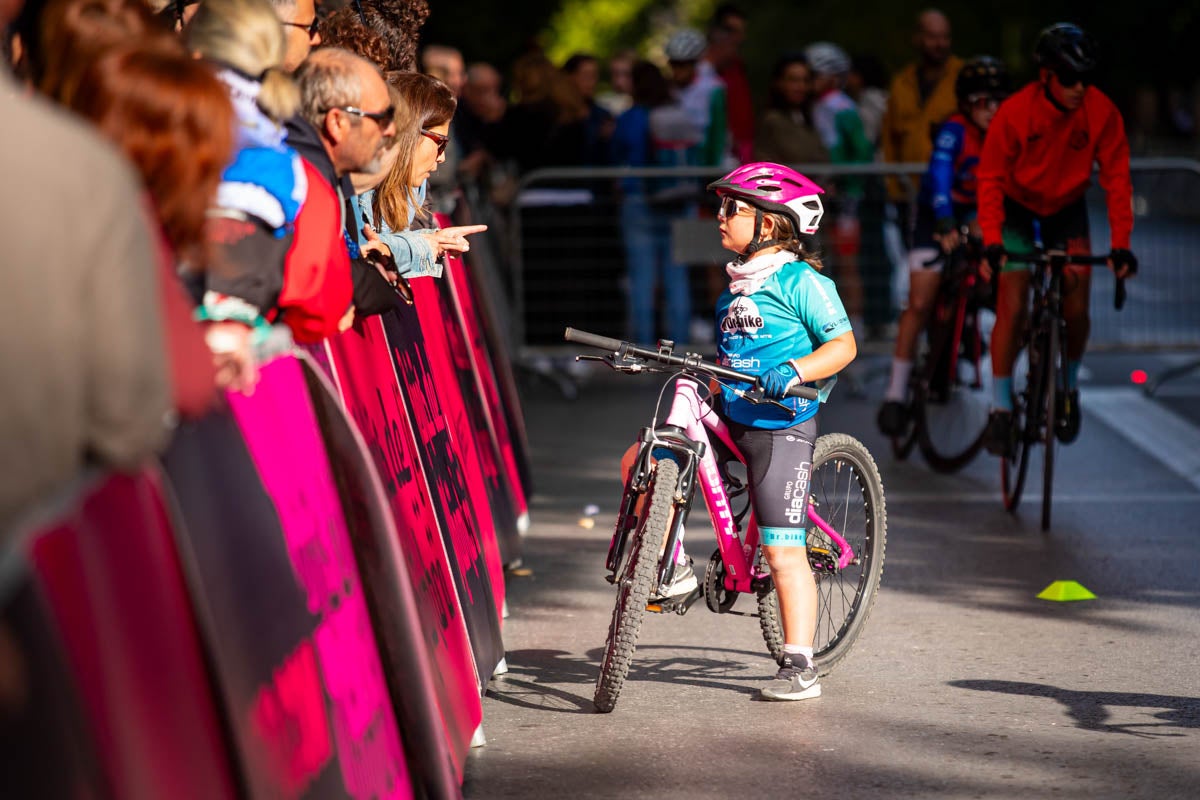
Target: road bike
[
  {"x": 846, "y": 514},
  {"x": 949, "y": 389},
  {"x": 1036, "y": 403}
]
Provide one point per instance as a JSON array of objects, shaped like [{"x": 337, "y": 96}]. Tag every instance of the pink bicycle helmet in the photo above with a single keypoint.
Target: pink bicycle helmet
[{"x": 776, "y": 188}]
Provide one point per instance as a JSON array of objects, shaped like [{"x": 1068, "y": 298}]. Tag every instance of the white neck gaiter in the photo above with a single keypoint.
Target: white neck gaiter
[{"x": 749, "y": 277}]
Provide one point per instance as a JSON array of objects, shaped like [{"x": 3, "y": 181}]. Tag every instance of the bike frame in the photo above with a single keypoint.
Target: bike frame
[{"x": 686, "y": 435}]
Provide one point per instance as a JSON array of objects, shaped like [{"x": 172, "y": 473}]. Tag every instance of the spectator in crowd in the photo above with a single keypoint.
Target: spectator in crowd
[
  {"x": 725, "y": 39},
  {"x": 836, "y": 118},
  {"x": 479, "y": 117},
  {"x": 344, "y": 28},
  {"x": 866, "y": 84},
  {"x": 547, "y": 126},
  {"x": 701, "y": 93},
  {"x": 171, "y": 117},
  {"x": 583, "y": 70},
  {"x": 253, "y": 220},
  {"x": 92, "y": 386},
  {"x": 424, "y": 108},
  {"x": 301, "y": 30},
  {"x": 446, "y": 64},
  {"x": 344, "y": 123},
  {"x": 921, "y": 98},
  {"x": 618, "y": 98},
  {"x": 641, "y": 138},
  {"x": 399, "y": 22},
  {"x": 785, "y": 133}
]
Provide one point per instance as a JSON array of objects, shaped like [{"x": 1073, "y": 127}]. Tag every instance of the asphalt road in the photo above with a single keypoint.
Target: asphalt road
[{"x": 964, "y": 684}]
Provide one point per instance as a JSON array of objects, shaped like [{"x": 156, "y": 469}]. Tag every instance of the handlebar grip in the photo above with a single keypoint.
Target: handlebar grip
[
  {"x": 807, "y": 392},
  {"x": 1119, "y": 294},
  {"x": 592, "y": 340}
]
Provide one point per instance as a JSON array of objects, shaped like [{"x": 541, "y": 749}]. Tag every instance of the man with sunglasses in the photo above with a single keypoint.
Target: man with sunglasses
[
  {"x": 301, "y": 30},
  {"x": 345, "y": 121},
  {"x": 1035, "y": 168}
]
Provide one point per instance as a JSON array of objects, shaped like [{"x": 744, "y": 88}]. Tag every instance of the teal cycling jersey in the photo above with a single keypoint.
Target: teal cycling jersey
[{"x": 794, "y": 312}]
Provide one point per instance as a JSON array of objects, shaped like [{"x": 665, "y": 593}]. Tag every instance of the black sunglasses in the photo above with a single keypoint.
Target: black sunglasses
[
  {"x": 1069, "y": 78},
  {"x": 442, "y": 139},
  {"x": 382, "y": 118},
  {"x": 313, "y": 27}
]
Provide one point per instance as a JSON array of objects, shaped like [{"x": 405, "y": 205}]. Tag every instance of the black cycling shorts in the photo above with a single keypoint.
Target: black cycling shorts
[{"x": 779, "y": 465}]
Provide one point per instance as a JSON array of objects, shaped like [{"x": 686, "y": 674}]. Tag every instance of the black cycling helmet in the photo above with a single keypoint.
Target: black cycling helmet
[
  {"x": 982, "y": 75},
  {"x": 1065, "y": 46}
]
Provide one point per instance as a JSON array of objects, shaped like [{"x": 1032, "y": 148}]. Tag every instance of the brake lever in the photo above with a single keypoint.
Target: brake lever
[{"x": 755, "y": 395}]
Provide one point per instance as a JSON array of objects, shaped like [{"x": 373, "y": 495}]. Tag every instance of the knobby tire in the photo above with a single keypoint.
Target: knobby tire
[{"x": 635, "y": 584}]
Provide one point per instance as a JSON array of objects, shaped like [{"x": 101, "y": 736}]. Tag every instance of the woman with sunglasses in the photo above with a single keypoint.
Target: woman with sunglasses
[
  {"x": 782, "y": 320},
  {"x": 424, "y": 108},
  {"x": 1035, "y": 168},
  {"x": 945, "y": 203}
]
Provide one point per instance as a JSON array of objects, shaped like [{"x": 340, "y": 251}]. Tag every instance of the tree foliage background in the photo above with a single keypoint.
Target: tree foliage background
[{"x": 1147, "y": 48}]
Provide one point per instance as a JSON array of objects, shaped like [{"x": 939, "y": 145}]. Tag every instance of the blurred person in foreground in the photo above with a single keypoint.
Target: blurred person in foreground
[{"x": 86, "y": 372}]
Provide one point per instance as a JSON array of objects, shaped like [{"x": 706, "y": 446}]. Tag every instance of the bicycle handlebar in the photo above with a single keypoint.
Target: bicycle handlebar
[
  {"x": 1119, "y": 293},
  {"x": 689, "y": 361}
]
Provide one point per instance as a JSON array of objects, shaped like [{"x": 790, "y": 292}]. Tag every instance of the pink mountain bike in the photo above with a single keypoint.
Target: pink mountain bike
[{"x": 847, "y": 518}]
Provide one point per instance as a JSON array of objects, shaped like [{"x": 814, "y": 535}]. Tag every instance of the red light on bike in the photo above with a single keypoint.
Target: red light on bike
[{"x": 1138, "y": 377}]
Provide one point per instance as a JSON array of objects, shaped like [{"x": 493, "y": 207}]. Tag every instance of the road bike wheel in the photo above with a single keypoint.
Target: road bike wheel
[
  {"x": 951, "y": 414},
  {"x": 1049, "y": 442},
  {"x": 903, "y": 443},
  {"x": 848, "y": 493},
  {"x": 635, "y": 584},
  {"x": 1025, "y": 421}
]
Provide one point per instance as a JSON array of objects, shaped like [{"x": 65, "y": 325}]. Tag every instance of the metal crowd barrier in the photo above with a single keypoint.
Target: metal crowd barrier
[{"x": 566, "y": 261}]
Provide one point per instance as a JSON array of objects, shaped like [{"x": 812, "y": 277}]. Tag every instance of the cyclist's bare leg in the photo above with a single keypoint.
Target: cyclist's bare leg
[
  {"x": 1077, "y": 292},
  {"x": 922, "y": 288},
  {"x": 797, "y": 591},
  {"x": 1011, "y": 309}
]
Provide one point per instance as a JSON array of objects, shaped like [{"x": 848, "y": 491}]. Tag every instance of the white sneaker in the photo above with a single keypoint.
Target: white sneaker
[
  {"x": 796, "y": 680},
  {"x": 682, "y": 583}
]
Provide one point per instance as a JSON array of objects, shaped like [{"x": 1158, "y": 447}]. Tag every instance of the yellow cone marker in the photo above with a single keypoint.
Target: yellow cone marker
[{"x": 1064, "y": 591}]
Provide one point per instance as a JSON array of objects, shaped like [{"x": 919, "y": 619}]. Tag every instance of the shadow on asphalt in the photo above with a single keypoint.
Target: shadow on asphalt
[
  {"x": 535, "y": 677},
  {"x": 1090, "y": 710}
]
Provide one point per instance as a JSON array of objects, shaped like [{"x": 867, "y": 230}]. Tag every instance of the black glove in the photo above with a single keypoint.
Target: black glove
[
  {"x": 994, "y": 253},
  {"x": 1120, "y": 257}
]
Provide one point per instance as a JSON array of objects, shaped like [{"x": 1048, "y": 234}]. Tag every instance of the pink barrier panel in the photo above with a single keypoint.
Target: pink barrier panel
[
  {"x": 455, "y": 484},
  {"x": 459, "y": 292},
  {"x": 341, "y": 656},
  {"x": 366, "y": 381},
  {"x": 108, "y": 569}
]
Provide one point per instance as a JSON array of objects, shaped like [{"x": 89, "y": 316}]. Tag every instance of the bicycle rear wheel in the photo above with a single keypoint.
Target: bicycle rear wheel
[
  {"x": 848, "y": 493},
  {"x": 635, "y": 584},
  {"x": 950, "y": 413},
  {"x": 1049, "y": 441}
]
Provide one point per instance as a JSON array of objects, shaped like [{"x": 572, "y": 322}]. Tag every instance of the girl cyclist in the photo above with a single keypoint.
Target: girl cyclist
[
  {"x": 782, "y": 320},
  {"x": 946, "y": 201}
]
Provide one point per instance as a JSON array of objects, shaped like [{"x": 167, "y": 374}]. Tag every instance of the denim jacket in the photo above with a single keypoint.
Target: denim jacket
[{"x": 414, "y": 255}]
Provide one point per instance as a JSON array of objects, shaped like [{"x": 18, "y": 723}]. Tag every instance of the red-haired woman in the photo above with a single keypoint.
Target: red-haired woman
[{"x": 171, "y": 117}]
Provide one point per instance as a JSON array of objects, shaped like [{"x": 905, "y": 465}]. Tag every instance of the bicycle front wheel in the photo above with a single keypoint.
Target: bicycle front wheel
[
  {"x": 847, "y": 492},
  {"x": 1049, "y": 443},
  {"x": 635, "y": 584},
  {"x": 1025, "y": 422}
]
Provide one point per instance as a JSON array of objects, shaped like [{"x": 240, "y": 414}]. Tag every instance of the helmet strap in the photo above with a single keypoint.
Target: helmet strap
[
  {"x": 1049, "y": 94},
  {"x": 755, "y": 243}
]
